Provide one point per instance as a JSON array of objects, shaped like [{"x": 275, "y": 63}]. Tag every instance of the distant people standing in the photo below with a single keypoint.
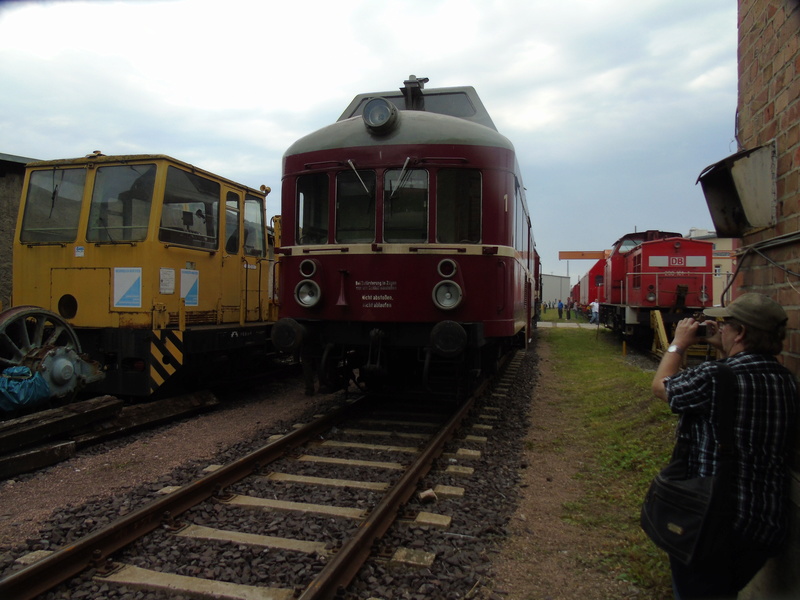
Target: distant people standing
[
  {"x": 560, "y": 309},
  {"x": 569, "y": 307},
  {"x": 595, "y": 306}
]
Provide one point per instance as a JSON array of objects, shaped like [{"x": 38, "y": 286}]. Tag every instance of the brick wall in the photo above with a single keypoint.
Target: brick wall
[{"x": 769, "y": 109}]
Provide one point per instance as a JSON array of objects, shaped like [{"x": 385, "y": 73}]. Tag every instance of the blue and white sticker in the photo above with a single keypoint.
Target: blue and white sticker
[
  {"x": 190, "y": 286},
  {"x": 127, "y": 287}
]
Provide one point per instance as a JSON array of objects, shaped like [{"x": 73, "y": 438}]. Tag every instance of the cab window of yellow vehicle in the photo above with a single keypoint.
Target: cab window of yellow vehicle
[
  {"x": 254, "y": 240},
  {"x": 53, "y": 205},
  {"x": 121, "y": 201},
  {"x": 405, "y": 205},
  {"x": 189, "y": 215},
  {"x": 458, "y": 206},
  {"x": 312, "y": 209},
  {"x": 232, "y": 223},
  {"x": 355, "y": 206}
]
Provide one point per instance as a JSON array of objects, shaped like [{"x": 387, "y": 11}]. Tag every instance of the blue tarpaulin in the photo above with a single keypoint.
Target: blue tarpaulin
[{"x": 20, "y": 389}]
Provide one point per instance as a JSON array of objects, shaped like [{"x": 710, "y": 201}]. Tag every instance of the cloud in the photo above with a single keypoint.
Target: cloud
[{"x": 613, "y": 107}]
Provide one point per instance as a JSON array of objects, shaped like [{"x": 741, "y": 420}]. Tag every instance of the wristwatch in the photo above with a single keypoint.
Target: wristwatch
[{"x": 676, "y": 349}]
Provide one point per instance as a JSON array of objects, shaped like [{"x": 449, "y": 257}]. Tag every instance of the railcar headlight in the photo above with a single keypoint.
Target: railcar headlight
[
  {"x": 307, "y": 293},
  {"x": 651, "y": 295},
  {"x": 447, "y": 267},
  {"x": 380, "y": 115},
  {"x": 308, "y": 267},
  {"x": 703, "y": 295},
  {"x": 447, "y": 295}
]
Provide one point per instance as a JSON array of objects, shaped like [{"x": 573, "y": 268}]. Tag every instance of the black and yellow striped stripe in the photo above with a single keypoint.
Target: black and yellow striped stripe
[{"x": 166, "y": 356}]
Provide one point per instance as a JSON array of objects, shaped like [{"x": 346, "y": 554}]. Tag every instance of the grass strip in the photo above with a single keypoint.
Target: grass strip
[{"x": 627, "y": 435}]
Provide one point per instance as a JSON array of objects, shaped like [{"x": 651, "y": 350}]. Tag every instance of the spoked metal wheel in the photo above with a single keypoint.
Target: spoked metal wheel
[
  {"x": 25, "y": 331},
  {"x": 36, "y": 338}
]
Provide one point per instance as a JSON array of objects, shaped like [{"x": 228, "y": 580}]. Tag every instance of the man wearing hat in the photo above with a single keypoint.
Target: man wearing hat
[{"x": 750, "y": 333}]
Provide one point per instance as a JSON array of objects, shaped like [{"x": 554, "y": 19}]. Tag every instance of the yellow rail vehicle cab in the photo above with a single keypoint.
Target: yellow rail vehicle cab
[{"x": 160, "y": 268}]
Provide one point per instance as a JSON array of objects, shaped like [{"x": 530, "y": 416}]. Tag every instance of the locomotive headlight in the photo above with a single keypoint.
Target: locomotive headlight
[
  {"x": 703, "y": 295},
  {"x": 307, "y": 293},
  {"x": 308, "y": 267},
  {"x": 447, "y": 295},
  {"x": 447, "y": 267},
  {"x": 651, "y": 295},
  {"x": 380, "y": 115}
]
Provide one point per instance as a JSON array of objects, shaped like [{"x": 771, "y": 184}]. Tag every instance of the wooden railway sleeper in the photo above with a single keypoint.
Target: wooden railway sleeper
[
  {"x": 45, "y": 574},
  {"x": 342, "y": 567}
]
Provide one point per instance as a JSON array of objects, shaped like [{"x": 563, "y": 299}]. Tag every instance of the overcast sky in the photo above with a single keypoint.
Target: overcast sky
[{"x": 614, "y": 106}]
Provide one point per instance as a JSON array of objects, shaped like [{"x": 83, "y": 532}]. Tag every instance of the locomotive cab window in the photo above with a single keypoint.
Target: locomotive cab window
[
  {"x": 53, "y": 205},
  {"x": 255, "y": 243},
  {"x": 252, "y": 241},
  {"x": 189, "y": 214},
  {"x": 121, "y": 201},
  {"x": 312, "y": 209},
  {"x": 458, "y": 206},
  {"x": 405, "y": 205},
  {"x": 232, "y": 223},
  {"x": 637, "y": 271},
  {"x": 355, "y": 206}
]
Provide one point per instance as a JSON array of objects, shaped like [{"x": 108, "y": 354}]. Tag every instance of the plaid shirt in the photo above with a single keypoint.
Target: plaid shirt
[{"x": 764, "y": 426}]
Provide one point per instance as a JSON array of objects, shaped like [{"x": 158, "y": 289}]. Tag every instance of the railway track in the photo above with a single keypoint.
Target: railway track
[
  {"x": 46, "y": 437},
  {"x": 249, "y": 530}
]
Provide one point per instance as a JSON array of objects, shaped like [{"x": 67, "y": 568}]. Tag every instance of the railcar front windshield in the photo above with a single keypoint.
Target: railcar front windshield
[
  {"x": 190, "y": 212},
  {"x": 405, "y": 205},
  {"x": 355, "y": 206},
  {"x": 53, "y": 205},
  {"x": 312, "y": 209},
  {"x": 458, "y": 206},
  {"x": 121, "y": 201}
]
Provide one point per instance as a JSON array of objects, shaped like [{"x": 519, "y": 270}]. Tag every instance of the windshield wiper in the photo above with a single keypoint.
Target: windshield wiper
[
  {"x": 352, "y": 166},
  {"x": 400, "y": 180},
  {"x": 54, "y": 195}
]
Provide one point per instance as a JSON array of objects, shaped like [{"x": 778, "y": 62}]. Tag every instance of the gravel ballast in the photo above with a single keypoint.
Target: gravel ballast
[{"x": 58, "y": 505}]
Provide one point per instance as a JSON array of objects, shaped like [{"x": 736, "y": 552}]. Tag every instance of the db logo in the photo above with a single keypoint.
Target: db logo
[{"x": 677, "y": 261}]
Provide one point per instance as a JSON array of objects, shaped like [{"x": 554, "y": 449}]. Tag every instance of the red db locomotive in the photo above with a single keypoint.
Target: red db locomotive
[{"x": 653, "y": 270}]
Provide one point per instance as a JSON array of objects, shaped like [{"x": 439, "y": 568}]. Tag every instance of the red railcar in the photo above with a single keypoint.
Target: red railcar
[
  {"x": 406, "y": 247},
  {"x": 591, "y": 284},
  {"x": 575, "y": 293},
  {"x": 655, "y": 270}
]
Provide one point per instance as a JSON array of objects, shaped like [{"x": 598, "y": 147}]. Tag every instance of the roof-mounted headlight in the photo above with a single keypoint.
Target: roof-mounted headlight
[{"x": 380, "y": 115}]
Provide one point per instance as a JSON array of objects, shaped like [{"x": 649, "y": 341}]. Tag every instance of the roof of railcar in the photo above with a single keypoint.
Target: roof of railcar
[
  {"x": 462, "y": 102},
  {"x": 415, "y": 128},
  {"x": 448, "y": 115},
  {"x": 96, "y": 159}
]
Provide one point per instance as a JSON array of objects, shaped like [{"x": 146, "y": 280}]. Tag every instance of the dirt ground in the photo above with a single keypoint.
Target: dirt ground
[
  {"x": 26, "y": 504},
  {"x": 545, "y": 557}
]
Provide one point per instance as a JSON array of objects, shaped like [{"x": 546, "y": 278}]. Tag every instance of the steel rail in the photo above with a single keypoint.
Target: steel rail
[
  {"x": 341, "y": 569},
  {"x": 96, "y": 547}
]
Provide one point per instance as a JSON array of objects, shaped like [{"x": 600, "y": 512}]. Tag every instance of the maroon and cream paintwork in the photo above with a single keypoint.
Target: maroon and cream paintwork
[{"x": 382, "y": 285}]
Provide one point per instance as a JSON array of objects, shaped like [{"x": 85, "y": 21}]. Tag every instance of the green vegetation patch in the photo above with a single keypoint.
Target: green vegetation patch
[{"x": 627, "y": 435}]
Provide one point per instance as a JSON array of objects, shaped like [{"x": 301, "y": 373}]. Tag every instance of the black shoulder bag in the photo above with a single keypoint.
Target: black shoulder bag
[{"x": 689, "y": 518}]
